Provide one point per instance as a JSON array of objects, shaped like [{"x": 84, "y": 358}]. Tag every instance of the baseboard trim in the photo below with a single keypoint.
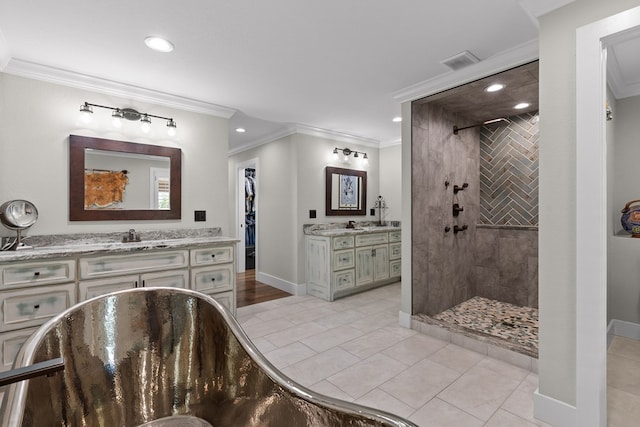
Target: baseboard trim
[
  {"x": 281, "y": 284},
  {"x": 553, "y": 411},
  {"x": 404, "y": 319},
  {"x": 622, "y": 328}
]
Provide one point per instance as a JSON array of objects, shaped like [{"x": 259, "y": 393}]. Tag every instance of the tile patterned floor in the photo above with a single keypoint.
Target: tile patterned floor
[
  {"x": 353, "y": 349},
  {"x": 515, "y": 324},
  {"x": 623, "y": 382}
]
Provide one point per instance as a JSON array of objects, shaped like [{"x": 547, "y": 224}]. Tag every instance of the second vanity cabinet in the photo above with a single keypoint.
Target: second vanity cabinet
[{"x": 344, "y": 264}]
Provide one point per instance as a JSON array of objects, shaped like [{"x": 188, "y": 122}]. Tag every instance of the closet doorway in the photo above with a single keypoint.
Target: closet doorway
[{"x": 247, "y": 210}]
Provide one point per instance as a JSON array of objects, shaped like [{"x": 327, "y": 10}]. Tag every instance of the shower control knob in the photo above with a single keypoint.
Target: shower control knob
[
  {"x": 457, "y": 209},
  {"x": 457, "y": 229},
  {"x": 457, "y": 188},
  {"x": 447, "y": 229}
]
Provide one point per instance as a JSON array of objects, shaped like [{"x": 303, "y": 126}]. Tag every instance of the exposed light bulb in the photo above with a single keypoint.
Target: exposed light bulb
[
  {"x": 171, "y": 127},
  {"x": 145, "y": 123},
  {"x": 365, "y": 160},
  {"x": 335, "y": 154},
  {"x": 117, "y": 116},
  {"x": 86, "y": 113}
]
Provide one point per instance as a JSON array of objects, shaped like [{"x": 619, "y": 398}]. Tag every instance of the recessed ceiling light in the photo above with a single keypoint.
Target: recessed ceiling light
[
  {"x": 241, "y": 130},
  {"x": 397, "y": 119},
  {"x": 158, "y": 44},
  {"x": 494, "y": 87},
  {"x": 521, "y": 106}
]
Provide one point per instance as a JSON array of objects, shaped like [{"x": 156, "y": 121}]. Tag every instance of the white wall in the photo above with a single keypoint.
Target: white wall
[
  {"x": 35, "y": 123},
  {"x": 623, "y": 251},
  {"x": 391, "y": 180},
  {"x": 557, "y": 248}
]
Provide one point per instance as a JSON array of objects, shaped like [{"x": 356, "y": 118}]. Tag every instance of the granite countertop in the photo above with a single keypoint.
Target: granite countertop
[
  {"x": 95, "y": 245},
  {"x": 339, "y": 229}
]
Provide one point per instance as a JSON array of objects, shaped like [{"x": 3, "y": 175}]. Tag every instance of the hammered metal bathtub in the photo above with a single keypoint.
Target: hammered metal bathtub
[{"x": 163, "y": 357}]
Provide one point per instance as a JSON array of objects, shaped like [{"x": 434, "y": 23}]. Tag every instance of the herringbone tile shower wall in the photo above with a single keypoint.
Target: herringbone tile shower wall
[{"x": 509, "y": 173}]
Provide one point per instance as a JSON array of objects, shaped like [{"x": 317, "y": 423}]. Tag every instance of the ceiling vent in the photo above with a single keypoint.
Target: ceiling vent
[{"x": 461, "y": 60}]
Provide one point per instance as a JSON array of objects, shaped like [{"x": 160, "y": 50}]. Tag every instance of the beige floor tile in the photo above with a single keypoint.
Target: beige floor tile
[
  {"x": 623, "y": 373},
  {"x": 625, "y": 347},
  {"x": 288, "y": 355},
  {"x": 377, "y": 341},
  {"x": 520, "y": 402},
  {"x": 514, "y": 372},
  {"x": 456, "y": 358},
  {"x": 258, "y": 328},
  {"x": 415, "y": 348},
  {"x": 320, "y": 366},
  {"x": 480, "y": 391},
  {"x": 326, "y": 388},
  {"x": 505, "y": 419},
  {"x": 263, "y": 345},
  {"x": 378, "y": 399},
  {"x": 438, "y": 413},
  {"x": 345, "y": 317},
  {"x": 332, "y": 337},
  {"x": 310, "y": 315},
  {"x": 375, "y": 321},
  {"x": 420, "y": 383},
  {"x": 623, "y": 409},
  {"x": 294, "y": 333},
  {"x": 360, "y": 378}
]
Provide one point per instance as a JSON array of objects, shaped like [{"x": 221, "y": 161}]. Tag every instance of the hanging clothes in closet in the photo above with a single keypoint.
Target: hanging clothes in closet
[{"x": 250, "y": 207}]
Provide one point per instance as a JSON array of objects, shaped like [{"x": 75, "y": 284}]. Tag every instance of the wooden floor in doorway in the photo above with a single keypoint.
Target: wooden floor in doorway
[{"x": 250, "y": 291}]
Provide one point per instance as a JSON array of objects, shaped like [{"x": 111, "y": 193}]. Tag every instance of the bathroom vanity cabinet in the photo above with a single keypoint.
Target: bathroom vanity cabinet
[
  {"x": 36, "y": 285},
  {"x": 343, "y": 262}
]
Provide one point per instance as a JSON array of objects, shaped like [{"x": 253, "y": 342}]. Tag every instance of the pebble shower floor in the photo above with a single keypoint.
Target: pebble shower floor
[{"x": 512, "y": 323}]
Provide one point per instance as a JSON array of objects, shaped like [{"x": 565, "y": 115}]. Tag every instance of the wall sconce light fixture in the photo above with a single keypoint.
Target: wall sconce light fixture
[
  {"x": 346, "y": 152},
  {"x": 127, "y": 113}
]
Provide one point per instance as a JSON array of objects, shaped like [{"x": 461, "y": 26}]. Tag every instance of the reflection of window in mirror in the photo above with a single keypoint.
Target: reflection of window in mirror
[{"x": 160, "y": 185}]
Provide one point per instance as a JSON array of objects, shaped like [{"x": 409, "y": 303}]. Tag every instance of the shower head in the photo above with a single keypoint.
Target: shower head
[{"x": 491, "y": 124}]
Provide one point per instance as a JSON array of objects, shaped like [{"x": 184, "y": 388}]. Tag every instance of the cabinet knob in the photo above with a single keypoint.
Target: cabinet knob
[
  {"x": 213, "y": 255},
  {"x": 37, "y": 273},
  {"x": 213, "y": 279},
  {"x": 37, "y": 306}
]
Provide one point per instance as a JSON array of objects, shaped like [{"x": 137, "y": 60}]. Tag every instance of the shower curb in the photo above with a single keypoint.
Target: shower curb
[{"x": 477, "y": 342}]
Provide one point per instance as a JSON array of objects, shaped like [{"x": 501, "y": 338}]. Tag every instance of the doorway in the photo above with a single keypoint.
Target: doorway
[
  {"x": 247, "y": 215},
  {"x": 591, "y": 208}
]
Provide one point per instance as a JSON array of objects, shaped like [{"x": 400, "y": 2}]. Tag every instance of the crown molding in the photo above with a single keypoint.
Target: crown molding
[
  {"x": 518, "y": 55},
  {"x": 5, "y": 56},
  {"x": 537, "y": 8},
  {"x": 391, "y": 143},
  {"x": 335, "y": 135},
  {"x": 296, "y": 128},
  {"x": 59, "y": 76}
]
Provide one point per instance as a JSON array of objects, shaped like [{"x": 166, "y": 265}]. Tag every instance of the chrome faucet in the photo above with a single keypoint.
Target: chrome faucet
[
  {"x": 131, "y": 236},
  {"x": 351, "y": 224}
]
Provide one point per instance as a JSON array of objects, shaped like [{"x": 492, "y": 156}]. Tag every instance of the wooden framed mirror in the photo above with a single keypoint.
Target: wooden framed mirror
[
  {"x": 118, "y": 180},
  {"x": 346, "y": 192}
]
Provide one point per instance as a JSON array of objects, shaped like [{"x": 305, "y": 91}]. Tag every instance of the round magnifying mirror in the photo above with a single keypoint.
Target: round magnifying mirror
[{"x": 18, "y": 215}]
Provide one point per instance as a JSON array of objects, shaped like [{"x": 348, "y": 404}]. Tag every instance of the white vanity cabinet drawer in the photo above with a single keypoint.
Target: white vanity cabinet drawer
[
  {"x": 344, "y": 279},
  {"x": 113, "y": 265},
  {"x": 372, "y": 239},
  {"x": 208, "y": 256},
  {"x": 395, "y": 250},
  {"x": 211, "y": 280},
  {"x": 37, "y": 273},
  {"x": 10, "y": 344},
  {"x": 171, "y": 279},
  {"x": 343, "y": 259},
  {"x": 395, "y": 268},
  {"x": 395, "y": 236},
  {"x": 343, "y": 242},
  {"x": 33, "y": 306},
  {"x": 93, "y": 288}
]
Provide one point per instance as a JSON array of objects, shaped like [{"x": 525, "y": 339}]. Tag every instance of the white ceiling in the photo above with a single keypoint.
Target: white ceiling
[{"x": 330, "y": 66}]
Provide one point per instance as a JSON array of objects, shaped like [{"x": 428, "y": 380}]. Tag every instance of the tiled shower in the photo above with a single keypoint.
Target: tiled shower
[{"x": 494, "y": 258}]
